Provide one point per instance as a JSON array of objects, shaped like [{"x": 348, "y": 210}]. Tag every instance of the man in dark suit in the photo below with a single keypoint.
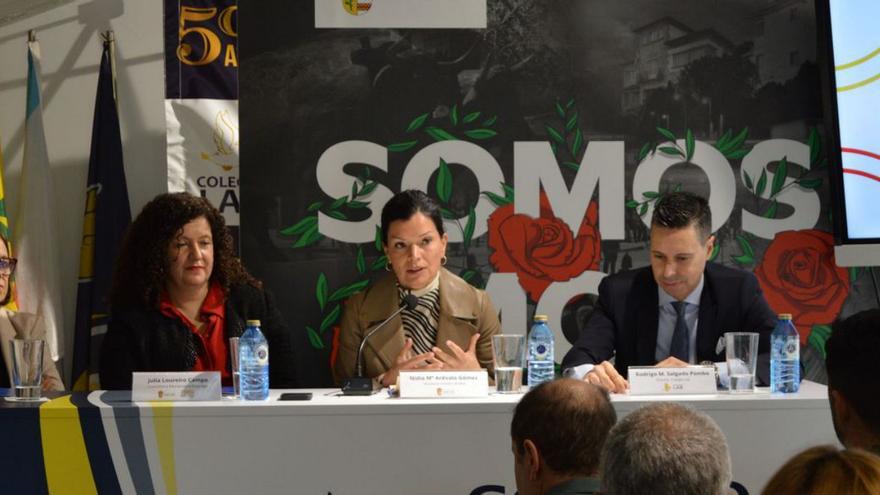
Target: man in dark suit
[{"x": 676, "y": 311}]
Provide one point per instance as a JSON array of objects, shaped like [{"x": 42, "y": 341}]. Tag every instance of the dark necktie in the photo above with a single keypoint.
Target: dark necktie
[{"x": 679, "y": 346}]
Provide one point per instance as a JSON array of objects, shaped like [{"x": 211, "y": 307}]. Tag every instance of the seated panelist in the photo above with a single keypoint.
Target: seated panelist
[
  {"x": 19, "y": 325},
  {"x": 179, "y": 293},
  {"x": 452, "y": 325}
]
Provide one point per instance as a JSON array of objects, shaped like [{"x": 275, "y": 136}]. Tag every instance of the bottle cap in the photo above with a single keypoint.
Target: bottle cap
[
  {"x": 253, "y": 323},
  {"x": 784, "y": 316},
  {"x": 541, "y": 318}
]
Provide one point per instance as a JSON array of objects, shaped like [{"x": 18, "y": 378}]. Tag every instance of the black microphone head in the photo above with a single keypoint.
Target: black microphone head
[{"x": 410, "y": 301}]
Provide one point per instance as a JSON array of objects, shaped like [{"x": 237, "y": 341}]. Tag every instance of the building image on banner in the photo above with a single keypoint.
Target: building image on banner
[
  {"x": 201, "y": 102},
  {"x": 546, "y": 135}
]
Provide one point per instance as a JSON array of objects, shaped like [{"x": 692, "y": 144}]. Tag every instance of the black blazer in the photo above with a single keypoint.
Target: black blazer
[
  {"x": 624, "y": 322},
  {"x": 143, "y": 339}
]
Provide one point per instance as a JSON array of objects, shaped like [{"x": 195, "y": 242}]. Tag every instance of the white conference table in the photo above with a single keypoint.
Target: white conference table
[{"x": 381, "y": 445}]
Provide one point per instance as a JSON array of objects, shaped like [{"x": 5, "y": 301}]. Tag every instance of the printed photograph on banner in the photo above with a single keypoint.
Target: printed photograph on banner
[
  {"x": 203, "y": 151},
  {"x": 436, "y": 14},
  {"x": 547, "y": 137}
]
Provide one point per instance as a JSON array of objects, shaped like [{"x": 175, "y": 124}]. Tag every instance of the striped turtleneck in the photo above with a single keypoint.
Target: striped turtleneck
[{"x": 420, "y": 323}]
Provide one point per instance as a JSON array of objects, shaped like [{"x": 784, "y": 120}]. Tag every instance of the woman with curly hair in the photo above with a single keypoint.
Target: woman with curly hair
[{"x": 179, "y": 293}]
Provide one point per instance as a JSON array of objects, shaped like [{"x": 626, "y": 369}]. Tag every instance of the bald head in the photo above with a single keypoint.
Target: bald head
[{"x": 568, "y": 421}]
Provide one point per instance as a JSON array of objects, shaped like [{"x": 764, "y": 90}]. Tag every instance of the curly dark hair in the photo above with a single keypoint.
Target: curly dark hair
[{"x": 142, "y": 267}]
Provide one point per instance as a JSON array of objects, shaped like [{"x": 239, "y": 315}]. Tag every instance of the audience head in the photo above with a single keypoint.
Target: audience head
[
  {"x": 413, "y": 238},
  {"x": 825, "y": 469},
  {"x": 853, "y": 381},
  {"x": 7, "y": 269},
  {"x": 177, "y": 242},
  {"x": 681, "y": 242},
  {"x": 666, "y": 448},
  {"x": 557, "y": 433}
]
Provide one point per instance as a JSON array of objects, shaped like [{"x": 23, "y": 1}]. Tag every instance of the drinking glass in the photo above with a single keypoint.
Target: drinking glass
[
  {"x": 509, "y": 354},
  {"x": 742, "y": 360},
  {"x": 27, "y": 368}
]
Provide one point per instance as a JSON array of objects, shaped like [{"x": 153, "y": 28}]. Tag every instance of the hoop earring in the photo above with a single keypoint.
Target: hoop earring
[
  {"x": 387, "y": 266},
  {"x": 443, "y": 260}
]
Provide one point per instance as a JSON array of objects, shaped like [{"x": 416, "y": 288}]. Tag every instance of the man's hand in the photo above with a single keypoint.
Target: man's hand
[
  {"x": 605, "y": 375},
  {"x": 672, "y": 362}
]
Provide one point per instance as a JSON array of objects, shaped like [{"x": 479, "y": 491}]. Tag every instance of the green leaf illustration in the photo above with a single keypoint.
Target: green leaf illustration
[
  {"x": 722, "y": 142},
  {"x": 339, "y": 202},
  {"x": 748, "y": 178},
  {"x": 746, "y": 246},
  {"x": 650, "y": 194},
  {"x": 354, "y": 190},
  {"x": 301, "y": 226},
  {"x": 577, "y": 144},
  {"x": 439, "y": 134},
  {"x": 368, "y": 188},
  {"x": 508, "y": 191},
  {"x": 572, "y": 165},
  {"x": 308, "y": 238},
  {"x": 819, "y": 335},
  {"x": 677, "y": 188},
  {"x": 736, "y": 142},
  {"x": 715, "y": 250},
  {"x": 344, "y": 292},
  {"x": 643, "y": 209},
  {"x": 417, "y": 123},
  {"x": 444, "y": 182},
  {"x": 480, "y": 133},
  {"x": 669, "y": 150},
  {"x": 853, "y": 274},
  {"x": 453, "y": 115},
  {"x": 380, "y": 263},
  {"x": 779, "y": 177},
  {"x": 490, "y": 122},
  {"x": 809, "y": 183},
  {"x": 378, "y": 242},
  {"x": 471, "y": 117},
  {"x": 570, "y": 103},
  {"x": 314, "y": 338},
  {"x": 666, "y": 133},
  {"x": 644, "y": 151},
  {"x": 762, "y": 183},
  {"x": 498, "y": 200},
  {"x": 321, "y": 290},
  {"x": 689, "y": 145},
  {"x": 470, "y": 226},
  {"x": 316, "y": 206},
  {"x": 815, "y": 145},
  {"x": 632, "y": 203},
  {"x": 467, "y": 275},
  {"x": 560, "y": 111},
  {"x": 447, "y": 214},
  {"x": 337, "y": 215},
  {"x": 736, "y": 155},
  {"x": 361, "y": 263},
  {"x": 553, "y": 133},
  {"x": 572, "y": 123},
  {"x": 399, "y": 147},
  {"x": 555, "y": 148},
  {"x": 743, "y": 260},
  {"x": 331, "y": 318},
  {"x": 771, "y": 210},
  {"x": 355, "y": 205}
]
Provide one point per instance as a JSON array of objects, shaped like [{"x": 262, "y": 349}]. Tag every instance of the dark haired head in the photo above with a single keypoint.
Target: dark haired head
[
  {"x": 851, "y": 357},
  {"x": 142, "y": 267},
  {"x": 406, "y": 204},
  {"x": 8, "y": 296},
  {"x": 568, "y": 421},
  {"x": 679, "y": 210}
]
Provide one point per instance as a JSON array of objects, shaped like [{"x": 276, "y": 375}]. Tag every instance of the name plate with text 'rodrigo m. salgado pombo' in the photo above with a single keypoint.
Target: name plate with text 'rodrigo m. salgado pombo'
[
  {"x": 176, "y": 386},
  {"x": 438, "y": 384},
  {"x": 650, "y": 380}
]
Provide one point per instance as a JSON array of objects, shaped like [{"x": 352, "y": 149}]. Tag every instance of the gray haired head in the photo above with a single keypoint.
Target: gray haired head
[{"x": 666, "y": 449}]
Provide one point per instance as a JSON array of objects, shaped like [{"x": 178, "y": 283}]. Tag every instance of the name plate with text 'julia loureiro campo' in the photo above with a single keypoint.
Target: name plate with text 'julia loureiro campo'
[
  {"x": 176, "y": 386},
  {"x": 438, "y": 384},
  {"x": 650, "y": 380}
]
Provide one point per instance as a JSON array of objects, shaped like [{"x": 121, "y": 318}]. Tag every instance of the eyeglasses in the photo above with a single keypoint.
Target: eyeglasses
[{"x": 7, "y": 265}]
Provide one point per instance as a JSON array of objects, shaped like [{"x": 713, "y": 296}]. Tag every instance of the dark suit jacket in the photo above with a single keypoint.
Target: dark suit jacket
[{"x": 624, "y": 323}]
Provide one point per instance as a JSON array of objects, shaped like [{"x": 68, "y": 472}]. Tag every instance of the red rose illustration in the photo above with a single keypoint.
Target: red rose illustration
[
  {"x": 798, "y": 276},
  {"x": 543, "y": 250}
]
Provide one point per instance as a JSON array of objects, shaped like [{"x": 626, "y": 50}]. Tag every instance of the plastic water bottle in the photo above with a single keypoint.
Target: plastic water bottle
[
  {"x": 540, "y": 352},
  {"x": 785, "y": 357},
  {"x": 254, "y": 363}
]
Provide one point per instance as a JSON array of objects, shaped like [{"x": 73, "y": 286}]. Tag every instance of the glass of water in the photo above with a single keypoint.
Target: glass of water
[
  {"x": 509, "y": 353},
  {"x": 27, "y": 368},
  {"x": 236, "y": 368},
  {"x": 742, "y": 360}
]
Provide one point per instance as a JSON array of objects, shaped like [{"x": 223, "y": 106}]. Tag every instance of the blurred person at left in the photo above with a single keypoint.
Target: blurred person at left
[
  {"x": 179, "y": 293},
  {"x": 20, "y": 325}
]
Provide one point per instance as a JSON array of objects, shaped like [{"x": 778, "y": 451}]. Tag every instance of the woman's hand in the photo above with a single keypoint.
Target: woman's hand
[
  {"x": 459, "y": 359},
  {"x": 406, "y": 361}
]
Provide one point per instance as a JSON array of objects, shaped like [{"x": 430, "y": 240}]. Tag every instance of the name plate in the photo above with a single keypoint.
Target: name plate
[
  {"x": 434, "y": 384},
  {"x": 649, "y": 380},
  {"x": 175, "y": 386}
]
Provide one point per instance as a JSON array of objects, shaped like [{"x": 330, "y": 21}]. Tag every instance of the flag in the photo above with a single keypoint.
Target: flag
[
  {"x": 35, "y": 235},
  {"x": 4, "y": 229},
  {"x": 106, "y": 217}
]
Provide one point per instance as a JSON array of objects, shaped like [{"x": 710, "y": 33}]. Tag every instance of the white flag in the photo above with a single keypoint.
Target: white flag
[{"x": 35, "y": 232}]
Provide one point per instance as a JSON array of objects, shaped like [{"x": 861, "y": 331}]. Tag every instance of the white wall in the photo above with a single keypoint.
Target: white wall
[{"x": 71, "y": 49}]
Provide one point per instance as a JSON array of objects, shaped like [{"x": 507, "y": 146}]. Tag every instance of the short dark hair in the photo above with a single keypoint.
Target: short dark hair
[
  {"x": 678, "y": 210},
  {"x": 406, "y": 204},
  {"x": 851, "y": 357},
  {"x": 8, "y": 296},
  {"x": 568, "y": 420}
]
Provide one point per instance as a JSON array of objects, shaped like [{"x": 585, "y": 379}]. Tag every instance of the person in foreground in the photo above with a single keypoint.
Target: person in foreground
[
  {"x": 825, "y": 470},
  {"x": 666, "y": 449},
  {"x": 853, "y": 382},
  {"x": 18, "y": 325},
  {"x": 674, "y": 312},
  {"x": 179, "y": 293},
  {"x": 557, "y": 433},
  {"x": 453, "y": 324}
]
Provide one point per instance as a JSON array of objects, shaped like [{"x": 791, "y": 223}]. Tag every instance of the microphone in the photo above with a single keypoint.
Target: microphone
[{"x": 360, "y": 385}]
